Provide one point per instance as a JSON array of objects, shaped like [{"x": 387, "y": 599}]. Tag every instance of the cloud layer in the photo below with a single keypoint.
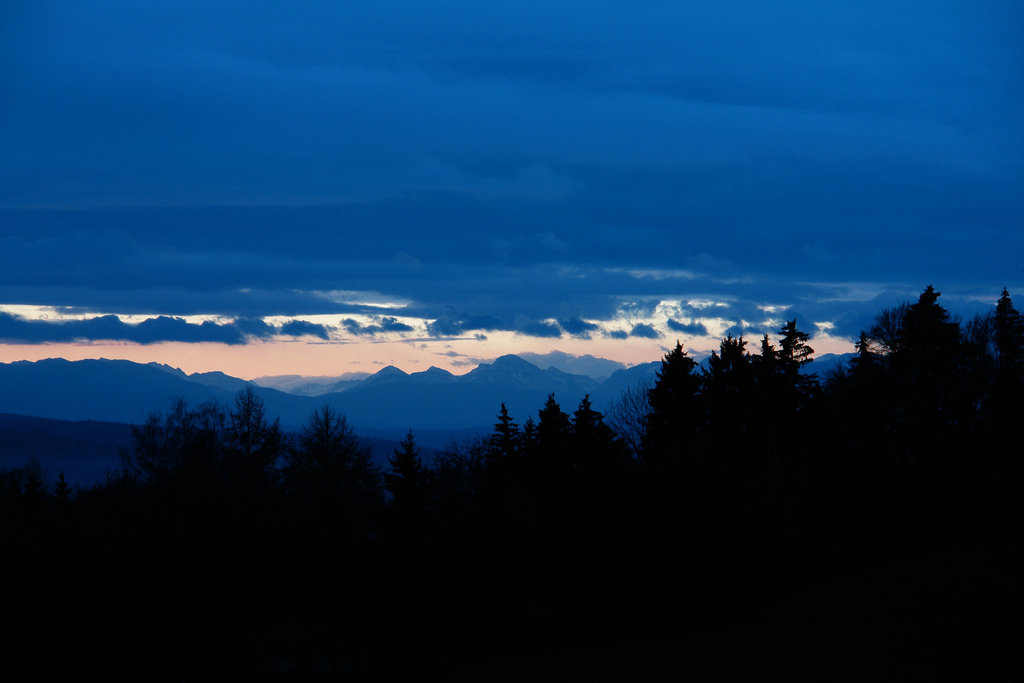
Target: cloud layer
[{"x": 576, "y": 170}]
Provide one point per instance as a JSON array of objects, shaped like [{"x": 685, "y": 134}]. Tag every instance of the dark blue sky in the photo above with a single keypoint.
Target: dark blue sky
[{"x": 561, "y": 170}]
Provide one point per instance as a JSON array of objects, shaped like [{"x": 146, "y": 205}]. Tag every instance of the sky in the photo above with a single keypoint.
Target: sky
[{"x": 264, "y": 188}]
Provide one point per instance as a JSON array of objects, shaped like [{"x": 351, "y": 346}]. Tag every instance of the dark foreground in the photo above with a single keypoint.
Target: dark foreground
[{"x": 741, "y": 522}]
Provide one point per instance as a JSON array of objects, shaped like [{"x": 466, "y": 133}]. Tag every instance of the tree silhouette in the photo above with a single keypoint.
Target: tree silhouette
[
  {"x": 793, "y": 349},
  {"x": 504, "y": 442},
  {"x": 61, "y": 491},
  {"x": 886, "y": 332},
  {"x": 407, "y": 483},
  {"x": 549, "y": 536},
  {"x": 34, "y": 483},
  {"x": 553, "y": 425},
  {"x": 406, "y": 467},
  {"x": 554, "y": 430},
  {"x": 254, "y": 445},
  {"x": 331, "y": 475},
  {"x": 253, "y": 450},
  {"x": 627, "y": 416},
  {"x": 728, "y": 385},
  {"x": 598, "y": 449},
  {"x": 928, "y": 338},
  {"x": 183, "y": 441},
  {"x": 675, "y": 413},
  {"x": 1008, "y": 338}
]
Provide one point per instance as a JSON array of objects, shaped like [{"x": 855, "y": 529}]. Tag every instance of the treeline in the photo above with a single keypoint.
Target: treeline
[{"x": 224, "y": 539}]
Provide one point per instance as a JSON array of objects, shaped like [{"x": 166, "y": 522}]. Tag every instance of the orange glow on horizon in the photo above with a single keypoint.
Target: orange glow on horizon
[{"x": 309, "y": 358}]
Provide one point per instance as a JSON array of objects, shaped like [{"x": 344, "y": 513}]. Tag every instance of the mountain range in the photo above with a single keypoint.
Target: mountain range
[
  {"x": 127, "y": 392},
  {"x": 70, "y": 411}
]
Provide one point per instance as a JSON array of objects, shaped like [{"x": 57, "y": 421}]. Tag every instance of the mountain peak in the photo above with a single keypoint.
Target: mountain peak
[
  {"x": 510, "y": 360},
  {"x": 433, "y": 375},
  {"x": 167, "y": 368},
  {"x": 386, "y": 374},
  {"x": 505, "y": 368}
]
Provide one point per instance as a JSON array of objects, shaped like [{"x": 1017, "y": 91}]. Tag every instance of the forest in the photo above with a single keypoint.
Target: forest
[{"x": 695, "y": 507}]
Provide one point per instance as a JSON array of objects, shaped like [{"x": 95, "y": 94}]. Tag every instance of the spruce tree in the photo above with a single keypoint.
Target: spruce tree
[
  {"x": 407, "y": 483},
  {"x": 793, "y": 349},
  {"x": 928, "y": 338},
  {"x": 62, "y": 492},
  {"x": 728, "y": 383},
  {"x": 406, "y": 476},
  {"x": 504, "y": 443},
  {"x": 597, "y": 447},
  {"x": 676, "y": 411},
  {"x": 553, "y": 429},
  {"x": 1008, "y": 336}
]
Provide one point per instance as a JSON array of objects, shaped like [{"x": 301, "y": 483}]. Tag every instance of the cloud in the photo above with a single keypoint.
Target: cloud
[
  {"x": 379, "y": 325},
  {"x": 644, "y": 330},
  {"x": 695, "y": 328},
  {"x": 537, "y": 328},
  {"x": 254, "y": 327},
  {"x": 504, "y": 159},
  {"x": 454, "y": 325},
  {"x": 17, "y": 330},
  {"x": 300, "y": 328},
  {"x": 578, "y": 327}
]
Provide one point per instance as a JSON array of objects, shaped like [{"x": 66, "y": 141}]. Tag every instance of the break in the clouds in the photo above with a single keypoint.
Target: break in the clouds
[{"x": 577, "y": 170}]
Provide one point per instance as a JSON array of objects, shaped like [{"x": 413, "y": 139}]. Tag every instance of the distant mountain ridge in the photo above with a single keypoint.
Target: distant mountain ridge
[
  {"x": 75, "y": 415},
  {"x": 127, "y": 392},
  {"x": 433, "y": 399}
]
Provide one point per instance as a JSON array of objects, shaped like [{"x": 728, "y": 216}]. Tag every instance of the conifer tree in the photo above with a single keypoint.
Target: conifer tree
[
  {"x": 730, "y": 390},
  {"x": 676, "y": 412},
  {"x": 62, "y": 492},
  {"x": 768, "y": 354},
  {"x": 928, "y": 338},
  {"x": 553, "y": 428},
  {"x": 864, "y": 357},
  {"x": 550, "y": 463},
  {"x": 408, "y": 486},
  {"x": 504, "y": 442},
  {"x": 1008, "y": 336},
  {"x": 793, "y": 348},
  {"x": 768, "y": 368},
  {"x": 528, "y": 437},
  {"x": 597, "y": 446},
  {"x": 405, "y": 481},
  {"x": 728, "y": 380},
  {"x": 932, "y": 405}
]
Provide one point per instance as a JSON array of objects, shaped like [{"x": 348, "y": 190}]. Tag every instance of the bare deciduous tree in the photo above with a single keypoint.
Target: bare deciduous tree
[{"x": 627, "y": 416}]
